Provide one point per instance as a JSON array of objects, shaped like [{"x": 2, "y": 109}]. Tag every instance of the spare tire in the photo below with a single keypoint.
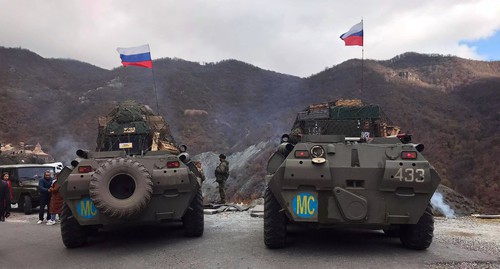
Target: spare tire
[{"x": 121, "y": 188}]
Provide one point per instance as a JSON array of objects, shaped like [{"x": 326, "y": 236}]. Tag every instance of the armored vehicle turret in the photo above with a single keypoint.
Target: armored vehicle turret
[
  {"x": 344, "y": 164},
  {"x": 137, "y": 175}
]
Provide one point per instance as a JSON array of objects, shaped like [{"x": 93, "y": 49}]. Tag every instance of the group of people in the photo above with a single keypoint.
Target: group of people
[
  {"x": 5, "y": 196},
  {"x": 50, "y": 198}
]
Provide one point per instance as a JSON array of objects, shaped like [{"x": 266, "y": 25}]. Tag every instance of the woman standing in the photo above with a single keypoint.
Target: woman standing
[
  {"x": 56, "y": 201},
  {"x": 5, "y": 196}
]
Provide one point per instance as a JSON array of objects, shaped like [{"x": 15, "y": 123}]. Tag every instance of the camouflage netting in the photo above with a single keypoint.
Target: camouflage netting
[
  {"x": 136, "y": 123},
  {"x": 350, "y": 118},
  {"x": 129, "y": 111}
]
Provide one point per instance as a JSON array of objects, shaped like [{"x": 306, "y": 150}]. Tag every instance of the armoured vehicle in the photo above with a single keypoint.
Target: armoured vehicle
[
  {"x": 137, "y": 175},
  {"x": 345, "y": 165},
  {"x": 24, "y": 179}
]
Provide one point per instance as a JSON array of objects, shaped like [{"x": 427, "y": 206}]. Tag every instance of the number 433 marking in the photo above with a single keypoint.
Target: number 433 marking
[{"x": 410, "y": 175}]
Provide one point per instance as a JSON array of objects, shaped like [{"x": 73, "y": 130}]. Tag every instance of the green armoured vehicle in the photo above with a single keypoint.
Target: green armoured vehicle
[
  {"x": 345, "y": 165},
  {"x": 137, "y": 175}
]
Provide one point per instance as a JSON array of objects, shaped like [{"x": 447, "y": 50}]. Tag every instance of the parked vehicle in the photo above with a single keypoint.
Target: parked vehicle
[
  {"x": 24, "y": 179},
  {"x": 345, "y": 165},
  {"x": 136, "y": 176},
  {"x": 58, "y": 166}
]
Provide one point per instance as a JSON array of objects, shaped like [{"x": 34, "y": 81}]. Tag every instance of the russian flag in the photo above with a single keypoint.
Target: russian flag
[
  {"x": 138, "y": 56},
  {"x": 354, "y": 37}
]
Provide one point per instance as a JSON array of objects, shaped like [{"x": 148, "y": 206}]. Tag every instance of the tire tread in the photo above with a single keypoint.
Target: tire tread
[
  {"x": 419, "y": 236},
  {"x": 99, "y": 199},
  {"x": 274, "y": 222},
  {"x": 73, "y": 235},
  {"x": 193, "y": 219}
]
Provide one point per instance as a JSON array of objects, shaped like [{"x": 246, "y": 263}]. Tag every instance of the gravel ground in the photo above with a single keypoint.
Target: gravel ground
[
  {"x": 474, "y": 234},
  {"x": 479, "y": 237},
  {"x": 482, "y": 235}
]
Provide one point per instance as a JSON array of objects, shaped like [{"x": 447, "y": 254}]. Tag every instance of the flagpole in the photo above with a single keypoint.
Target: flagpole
[
  {"x": 362, "y": 58},
  {"x": 156, "y": 95},
  {"x": 154, "y": 85}
]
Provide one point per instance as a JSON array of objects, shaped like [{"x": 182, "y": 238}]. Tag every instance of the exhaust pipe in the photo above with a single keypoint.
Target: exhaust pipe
[
  {"x": 82, "y": 153},
  {"x": 184, "y": 157}
]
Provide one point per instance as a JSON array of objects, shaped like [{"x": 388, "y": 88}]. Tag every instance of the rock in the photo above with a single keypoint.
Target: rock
[
  {"x": 486, "y": 216},
  {"x": 461, "y": 205},
  {"x": 210, "y": 211},
  {"x": 257, "y": 214}
]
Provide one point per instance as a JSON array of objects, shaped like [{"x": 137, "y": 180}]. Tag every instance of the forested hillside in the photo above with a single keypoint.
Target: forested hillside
[{"x": 448, "y": 103}]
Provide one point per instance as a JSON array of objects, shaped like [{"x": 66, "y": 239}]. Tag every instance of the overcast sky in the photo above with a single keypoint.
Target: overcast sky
[{"x": 294, "y": 37}]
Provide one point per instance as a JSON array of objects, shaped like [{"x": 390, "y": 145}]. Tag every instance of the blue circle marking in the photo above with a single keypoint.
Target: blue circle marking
[
  {"x": 305, "y": 205},
  {"x": 86, "y": 209}
]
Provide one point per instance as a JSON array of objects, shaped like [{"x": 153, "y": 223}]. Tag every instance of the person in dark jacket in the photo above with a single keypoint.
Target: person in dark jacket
[
  {"x": 7, "y": 208},
  {"x": 43, "y": 187},
  {"x": 5, "y": 194}
]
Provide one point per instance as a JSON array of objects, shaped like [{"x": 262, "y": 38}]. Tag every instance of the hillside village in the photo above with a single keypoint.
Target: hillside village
[{"x": 21, "y": 153}]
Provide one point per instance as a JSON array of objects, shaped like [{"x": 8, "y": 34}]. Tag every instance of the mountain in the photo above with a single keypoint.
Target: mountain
[{"x": 448, "y": 103}]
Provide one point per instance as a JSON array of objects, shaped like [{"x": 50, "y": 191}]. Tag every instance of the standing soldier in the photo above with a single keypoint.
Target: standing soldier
[
  {"x": 221, "y": 175},
  {"x": 296, "y": 134}
]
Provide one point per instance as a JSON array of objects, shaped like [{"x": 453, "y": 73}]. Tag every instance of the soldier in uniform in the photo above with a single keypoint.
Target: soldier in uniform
[
  {"x": 221, "y": 175},
  {"x": 296, "y": 134}
]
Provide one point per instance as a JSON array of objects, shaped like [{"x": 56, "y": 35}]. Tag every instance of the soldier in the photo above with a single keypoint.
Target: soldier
[
  {"x": 221, "y": 175},
  {"x": 296, "y": 134}
]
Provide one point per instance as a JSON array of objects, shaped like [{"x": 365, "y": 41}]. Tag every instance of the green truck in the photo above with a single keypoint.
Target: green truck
[{"x": 24, "y": 179}]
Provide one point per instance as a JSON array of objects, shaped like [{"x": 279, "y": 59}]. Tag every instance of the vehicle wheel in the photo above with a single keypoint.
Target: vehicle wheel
[
  {"x": 27, "y": 204},
  {"x": 274, "y": 222},
  {"x": 121, "y": 188},
  {"x": 193, "y": 219},
  {"x": 73, "y": 234},
  {"x": 20, "y": 203},
  {"x": 419, "y": 236},
  {"x": 90, "y": 230},
  {"x": 393, "y": 230}
]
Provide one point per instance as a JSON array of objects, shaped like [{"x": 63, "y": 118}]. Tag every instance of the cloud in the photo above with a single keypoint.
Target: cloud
[{"x": 294, "y": 37}]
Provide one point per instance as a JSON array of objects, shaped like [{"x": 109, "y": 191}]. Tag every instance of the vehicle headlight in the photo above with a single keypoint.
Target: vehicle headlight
[{"x": 317, "y": 152}]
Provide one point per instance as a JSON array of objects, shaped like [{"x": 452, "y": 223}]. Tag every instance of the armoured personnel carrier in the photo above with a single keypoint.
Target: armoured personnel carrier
[
  {"x": 137, "y": 175},
  {"x": 345, "y": 165}
]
